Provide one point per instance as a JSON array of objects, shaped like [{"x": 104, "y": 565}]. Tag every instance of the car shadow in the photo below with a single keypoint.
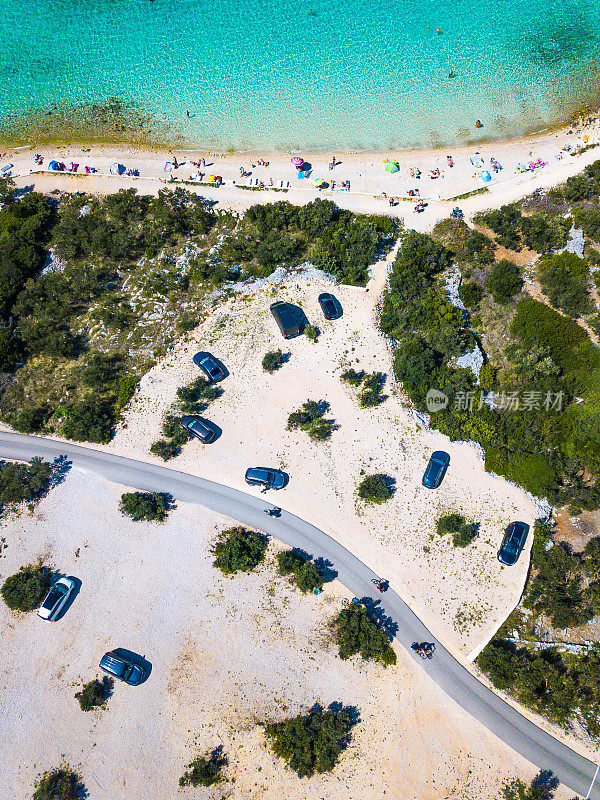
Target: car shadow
[
  {"x": 204, "y": 353},
  {"x": 135, "y": 658},
  {"x": 73, "y": 595}
]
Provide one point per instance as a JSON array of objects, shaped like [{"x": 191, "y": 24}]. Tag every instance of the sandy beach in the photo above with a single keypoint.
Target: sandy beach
[{"x": 553, "y": 156}]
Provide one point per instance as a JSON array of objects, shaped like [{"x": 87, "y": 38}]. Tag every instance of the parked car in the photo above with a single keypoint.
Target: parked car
[
  {"x": 266, "y": 477},
  {"x": 209, "y": 366},
  {"x": 55, "y": 600},
  {"x": 122, "y": 668},
  {"x": 512, "y": 544},
  {"x": 198, "y": 428},
  {"x": 330, "y": 306},
  {"x": 288, "y": 318},
  {"x": 436, "y": 469}
]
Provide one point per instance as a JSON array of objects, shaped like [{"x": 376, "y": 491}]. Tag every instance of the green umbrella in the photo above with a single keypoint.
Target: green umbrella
[{"x": 391, "y": 166}]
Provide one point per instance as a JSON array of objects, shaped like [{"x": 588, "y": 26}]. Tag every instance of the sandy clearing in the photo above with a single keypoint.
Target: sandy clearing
[
  {"x": 463, "y": 595},
  {"x": 225, "y": 653}
]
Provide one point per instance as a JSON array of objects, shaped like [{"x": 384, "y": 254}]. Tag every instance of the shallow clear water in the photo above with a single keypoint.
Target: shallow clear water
[{"x": 308, "y": 73}]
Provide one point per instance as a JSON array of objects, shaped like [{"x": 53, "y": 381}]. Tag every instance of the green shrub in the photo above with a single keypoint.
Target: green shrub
[
  {"x": 478, "y": 249},
  {"x": 375, "y": 489},
  {"x": 450, "y": 523},
  {"x": 588, "y": 219},
  {"x": 487, "y": 376},
  {"x": 273, "y": 360},
  {"x": 196, "y": 396},
  {"x": 145, "y": 506},
  {"x": 544, "y": 234},
  {"x": 90, "y": 420},
  {"x": 312, "y": 332},
  {"x": 239, "y": 550},
  {"x": 371, "y": 394},
  {"x": 506, "y": 224},
  {"x": 306, "y": 573},
  {"x": 32, "y": 419},
  {"x": 94, "y": 694},
  {"x": 519, "y": 790},
  {"x": 504, "y": 281},
  {"x": 205, "y": 770},
  {"x": 25, "y": 590},
  {"x": 470, "y": 293},
  {"x": 357, "y": 632},
  {"x": 564, "y": 279},
  {"x": 125, "y": 388},
  {"x": 352, "y": 377},
  {"x": 102, "y": 370},
  {"x": 530, "y": 470},
  {"x": 173, "y": 430},
  {"x": 313, "y": 742},
  {"x": 464, "y": 536},
  {"x": 58, "y": 784},
  {"x": 309, "y": 418},
  {"x": 24, "y": 483},
  {"x": 163, "y": 449}
]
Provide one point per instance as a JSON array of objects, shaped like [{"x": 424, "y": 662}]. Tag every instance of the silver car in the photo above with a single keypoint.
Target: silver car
[{"x": 55, "y": 600}]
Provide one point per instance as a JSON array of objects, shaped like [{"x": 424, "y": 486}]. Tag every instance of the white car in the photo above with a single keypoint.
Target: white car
[{"x": 56, "y": 599}]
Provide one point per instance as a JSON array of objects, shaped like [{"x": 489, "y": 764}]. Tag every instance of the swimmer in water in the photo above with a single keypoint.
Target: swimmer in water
[
  {"x": 438, "y": 31},
  {"x": 478, "y": 124},
  {"x": 451, "y": 73}
]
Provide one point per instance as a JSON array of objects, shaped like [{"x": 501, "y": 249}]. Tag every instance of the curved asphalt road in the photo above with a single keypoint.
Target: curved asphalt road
[{"x": 519, "y": 733}]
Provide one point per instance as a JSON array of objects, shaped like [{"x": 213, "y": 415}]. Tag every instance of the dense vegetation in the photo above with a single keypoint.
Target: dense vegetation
[
  {"x": 546, "y": 439},
  {"x": 357, "y": 632},
  {"x": 239, "y": 550},
  {"x": 146, "y": 506},
  {"x": 94, "y": 694},
  {"x": 93, "y": 289},
  {"x": 25, "y": 590},
  {"x": 372, "y": 386},
  {"x": 564, "y": 586},
  {"x": 312, "y": 742},
  {"x": 58, "y": 784},
  {"x": 541, "y": 788},
  {"x": 24, "y": 483},
  {"x": 375, "y": 488},
  {"x": 205, "y": 770},
  {"x": 310, "y": 418},
  {"x": 306, "y": 574}
]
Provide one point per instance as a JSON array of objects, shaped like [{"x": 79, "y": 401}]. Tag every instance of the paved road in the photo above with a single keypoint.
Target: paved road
[{"x": 519, "y": 733}]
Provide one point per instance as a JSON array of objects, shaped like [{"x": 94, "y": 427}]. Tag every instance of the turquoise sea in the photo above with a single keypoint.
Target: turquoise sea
[{"x": 287, "y": 74}]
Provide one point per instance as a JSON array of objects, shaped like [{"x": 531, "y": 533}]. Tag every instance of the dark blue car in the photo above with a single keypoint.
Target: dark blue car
[
  {"x": 266, "y": 477},
  {"x": 513, "y": 542},
  {"x": 436, "y": 469}
]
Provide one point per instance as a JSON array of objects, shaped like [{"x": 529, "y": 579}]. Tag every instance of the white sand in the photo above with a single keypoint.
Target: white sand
[{"x": 225, "y": 653}]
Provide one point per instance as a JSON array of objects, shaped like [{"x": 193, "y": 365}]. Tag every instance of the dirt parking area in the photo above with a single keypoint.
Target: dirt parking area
[{"x": 226, "y": 653}]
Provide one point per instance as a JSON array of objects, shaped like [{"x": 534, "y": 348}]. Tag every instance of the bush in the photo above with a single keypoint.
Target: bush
[
  {"x": 205, "y": 771},
  {"x": 32, "y": 419},
  {"x": 94, "y": 694},
  {"x": 352, "y": 377},
  {"x": 196, "y": 396},
  {"x": 470, "y": 293},
  {"x": 145, "y": 506},
  {"x": 306, "y": 573},
  {"x": 531, "y": 470},
  {"x": 312, "y": 332},
  {"x": 313, "y": 742},
  {"x": 310, "y": 419},
  {"x": 506, "y": 224},
  {"x": 25, "y": 590},
  {"x": 564, "y": 279},
  {"x": 371, "y": 395},
  {"x": 464, "y": 536},
  {"x": 125, "y": 388},
  {"x": 90, "y": 420},
  {"x": 374, "y": 489},
  {"x": 544, "y": 234},
  {"x": 59, "y": 784},
  {"x": 163, "y": 449},
  {"x": 24, "y": 483},
  {"x": 504, "y": 281},
  {"x": 357, "y": 632},
  {"x": 102, "y": 370},
  {"x": 273, "y": 360},
  {"x": 450, "y": 523},
  {"x": 239, "y": 550}
]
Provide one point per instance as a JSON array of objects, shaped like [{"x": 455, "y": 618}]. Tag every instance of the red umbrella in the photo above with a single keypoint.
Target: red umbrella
[{"x": 297, "y": 161}]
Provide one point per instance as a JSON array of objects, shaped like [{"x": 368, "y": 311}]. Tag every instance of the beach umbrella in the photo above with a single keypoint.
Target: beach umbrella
[
  {"x": 319, "y": 181},
  {"x": 391, "y": 166},
  {"x": 485, "y": 176},
  {"x": 297, "y": 161}
]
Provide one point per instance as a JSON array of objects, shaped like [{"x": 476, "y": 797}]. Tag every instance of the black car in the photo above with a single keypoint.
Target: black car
[
  {"x": 436, "y": 469},
  {"x": 209, "y": 366},
  {"x": 513, "y": 542},
  {"x": 122, "y": 668},
  {"x": 330, "y": 306},
  {"x": 289, "y": 318},
  {"x": 198, "y": 428},
  {"x": 266, "y": 477}
]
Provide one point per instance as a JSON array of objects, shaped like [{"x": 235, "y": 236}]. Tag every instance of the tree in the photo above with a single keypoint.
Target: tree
[
  {"x": 94, "y": 694},
  {"x": 470, "y": 293},
  {"x": 273, "y": 360},
  {"x": 89, "y": 420},
  {"x": 24, "y": 483},
  {"x": 352, "y": 377},
  {"x": 312, "y": 332},
  {"x": 375, "y": 489},
  {"x": 506, "y": 224},
  {"x": 60, "y": 783},
  {"x": 504, "y": 281},
  {"x": 239, "y": 550},
  {"x": 164, "y": 449},
  {"x": 309, "y": 418},
  {"x": 25, "y": 590},
  {"x": 371, "y": 394},
  {"x": 306, "y": 573},
  {"x": 357, "y": 632},
  {"x": 205, "y": 770},
  {"x": 146, "y": 506},
  {"x": 312, "y": 742},
  {"x": 565, "y": 281},
  {"x": 102, "y": 370}
]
